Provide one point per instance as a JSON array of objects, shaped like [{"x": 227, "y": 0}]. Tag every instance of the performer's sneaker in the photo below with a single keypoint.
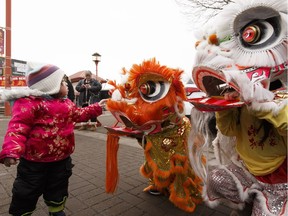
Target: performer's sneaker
[
  {"x": 93, "y": 128},
  {"x": 154, "y": 192},
  {"x": 82, "y": 128}
]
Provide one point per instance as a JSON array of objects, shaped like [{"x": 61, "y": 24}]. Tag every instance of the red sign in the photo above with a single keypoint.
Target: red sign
[{"x": 17, "y": 81}]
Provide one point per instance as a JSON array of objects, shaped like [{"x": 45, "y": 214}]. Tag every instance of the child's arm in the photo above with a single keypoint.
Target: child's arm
[
  {"x": 86, "y": 113},
  {"x": 17, "y": 132}
]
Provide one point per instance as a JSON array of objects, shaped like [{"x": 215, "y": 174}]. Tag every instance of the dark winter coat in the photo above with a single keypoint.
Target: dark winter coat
[{"x": 89, "y": 95}]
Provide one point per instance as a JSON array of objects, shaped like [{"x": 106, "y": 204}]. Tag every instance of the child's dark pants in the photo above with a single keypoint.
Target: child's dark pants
[{"x": 37, "y": 178}]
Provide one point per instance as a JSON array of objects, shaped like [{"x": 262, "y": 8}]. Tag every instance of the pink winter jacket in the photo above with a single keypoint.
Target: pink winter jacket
[{"x": 42, "y": 130}]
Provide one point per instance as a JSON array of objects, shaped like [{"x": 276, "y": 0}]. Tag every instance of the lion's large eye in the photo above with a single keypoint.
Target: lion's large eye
[
  {"x": 251, "y": 34},
  {"x": 152, "y": 91},
  {"x": 261, "y": 33}
]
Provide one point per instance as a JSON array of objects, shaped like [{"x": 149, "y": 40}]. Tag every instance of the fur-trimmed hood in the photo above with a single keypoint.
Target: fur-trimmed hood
[{"x": 13, "y": 94}]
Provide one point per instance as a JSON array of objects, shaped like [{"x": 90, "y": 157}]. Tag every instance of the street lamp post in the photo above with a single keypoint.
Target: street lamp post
[{"x": 96, "y": 57}]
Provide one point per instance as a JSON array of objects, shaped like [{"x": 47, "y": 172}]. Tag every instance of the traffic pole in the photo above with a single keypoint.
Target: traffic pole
[{"x": 7, "y": 68}]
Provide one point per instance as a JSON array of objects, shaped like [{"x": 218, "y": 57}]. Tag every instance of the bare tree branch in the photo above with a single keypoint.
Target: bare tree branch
[{"x": 199, "y": 12}]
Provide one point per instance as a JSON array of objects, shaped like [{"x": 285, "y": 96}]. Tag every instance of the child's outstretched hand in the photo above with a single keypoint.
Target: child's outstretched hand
[
  {"x": 10, "y": 161},
  {"x": 102, "y": 103}
]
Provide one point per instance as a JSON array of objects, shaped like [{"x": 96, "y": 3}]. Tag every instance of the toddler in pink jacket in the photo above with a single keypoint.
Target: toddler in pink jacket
[{"x": 40, "y": 136}]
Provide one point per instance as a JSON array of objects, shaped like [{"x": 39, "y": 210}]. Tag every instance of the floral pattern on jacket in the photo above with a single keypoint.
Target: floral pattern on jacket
[{"x": 42, "y": 129}]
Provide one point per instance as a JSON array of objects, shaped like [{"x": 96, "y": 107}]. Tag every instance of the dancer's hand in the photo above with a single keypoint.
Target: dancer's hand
[{"x": 231, "y": 95}]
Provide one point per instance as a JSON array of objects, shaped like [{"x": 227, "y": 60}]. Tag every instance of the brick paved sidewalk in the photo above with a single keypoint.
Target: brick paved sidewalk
[{"x": 87, "y": 195}]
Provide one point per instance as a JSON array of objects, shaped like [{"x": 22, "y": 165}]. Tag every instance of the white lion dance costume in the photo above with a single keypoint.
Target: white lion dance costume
[{"x": 244, "y": 50}]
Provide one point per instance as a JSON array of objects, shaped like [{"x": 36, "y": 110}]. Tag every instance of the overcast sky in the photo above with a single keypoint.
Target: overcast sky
[{"x": 67, "y": 32}]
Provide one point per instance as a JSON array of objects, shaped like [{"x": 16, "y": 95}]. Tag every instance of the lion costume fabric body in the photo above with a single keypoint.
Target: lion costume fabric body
[
  {"x": 149, "y": 104},
  {"x": 244, "y": 49}
]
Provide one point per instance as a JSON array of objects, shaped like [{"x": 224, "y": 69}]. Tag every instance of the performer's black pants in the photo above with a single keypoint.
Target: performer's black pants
[{"x": 37, "y": 178}]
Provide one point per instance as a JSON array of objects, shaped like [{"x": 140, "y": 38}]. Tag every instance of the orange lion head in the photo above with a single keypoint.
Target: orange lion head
[{"x": 151, "y": 98}]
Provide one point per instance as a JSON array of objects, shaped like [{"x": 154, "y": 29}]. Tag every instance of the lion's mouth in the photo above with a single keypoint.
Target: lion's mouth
[
  {"x": 212, "y": 82},
  {"x": 215, "y": 86},
  {"x": 126, "y": 121}
]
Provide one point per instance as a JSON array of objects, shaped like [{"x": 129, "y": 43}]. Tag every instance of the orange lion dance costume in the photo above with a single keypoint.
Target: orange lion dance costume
[{"x": 150, "y": 106}]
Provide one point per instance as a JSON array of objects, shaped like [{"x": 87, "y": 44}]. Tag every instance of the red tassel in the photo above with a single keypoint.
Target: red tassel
[{"x": 112, "y": 174}]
